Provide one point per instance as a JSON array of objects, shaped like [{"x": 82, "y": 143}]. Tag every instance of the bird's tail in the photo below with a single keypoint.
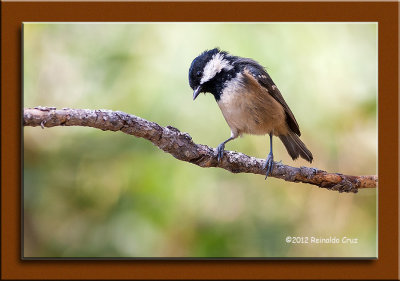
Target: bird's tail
[{"x": 296, "y": 147}]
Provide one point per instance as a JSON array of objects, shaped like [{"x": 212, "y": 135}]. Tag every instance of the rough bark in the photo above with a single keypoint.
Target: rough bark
[{"x": 181, "y": 146}]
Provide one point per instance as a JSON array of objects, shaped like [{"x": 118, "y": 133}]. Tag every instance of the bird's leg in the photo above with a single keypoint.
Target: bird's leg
[
  {"x": 221, "y": 147},
  {"x": 270, "y": 159}
]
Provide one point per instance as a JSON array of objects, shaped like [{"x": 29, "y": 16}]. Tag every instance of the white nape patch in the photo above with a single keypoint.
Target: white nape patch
[{"x": 214, "y": 66}]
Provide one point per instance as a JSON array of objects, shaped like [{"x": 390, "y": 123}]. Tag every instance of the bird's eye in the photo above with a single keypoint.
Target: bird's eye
[{"x": 198, "y": 74}]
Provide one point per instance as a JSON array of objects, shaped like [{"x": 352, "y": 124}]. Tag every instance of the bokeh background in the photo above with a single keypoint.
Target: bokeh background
[{"x": 89, "y": 193}]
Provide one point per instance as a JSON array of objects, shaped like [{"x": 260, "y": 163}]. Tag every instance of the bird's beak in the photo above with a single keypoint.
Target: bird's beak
[{"x": 196, "y": 92}]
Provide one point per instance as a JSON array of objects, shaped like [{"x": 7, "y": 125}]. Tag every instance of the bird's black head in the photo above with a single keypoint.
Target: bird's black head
[{"x": 209, "y": 70}]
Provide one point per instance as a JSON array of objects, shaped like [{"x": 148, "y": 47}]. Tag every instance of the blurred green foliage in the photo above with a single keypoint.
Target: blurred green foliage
[{"x": 89, "y": 193}]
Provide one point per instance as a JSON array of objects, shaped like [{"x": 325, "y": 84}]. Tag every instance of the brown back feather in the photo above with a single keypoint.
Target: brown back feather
[{"x": 265, "y": 80}]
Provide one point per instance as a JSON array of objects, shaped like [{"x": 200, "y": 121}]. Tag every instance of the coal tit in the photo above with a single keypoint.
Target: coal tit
[{"x": 249, "y": 100}]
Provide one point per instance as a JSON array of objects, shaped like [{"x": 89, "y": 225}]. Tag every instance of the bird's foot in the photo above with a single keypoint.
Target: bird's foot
[
  {"x": 269, "y": 163},
  {"x": 220, "y": 151}
]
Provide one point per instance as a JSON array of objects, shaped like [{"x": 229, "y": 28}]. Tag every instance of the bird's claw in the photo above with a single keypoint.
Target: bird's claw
[
  {"x": 220, "y": 151},
  {"x": 269, "y": 163}
]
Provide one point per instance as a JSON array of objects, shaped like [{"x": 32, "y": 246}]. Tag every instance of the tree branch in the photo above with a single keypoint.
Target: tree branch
[{"x": 181, "y": 146}]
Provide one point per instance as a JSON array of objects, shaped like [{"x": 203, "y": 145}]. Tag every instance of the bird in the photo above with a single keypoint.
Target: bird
[{"x": 249, "y": 100}]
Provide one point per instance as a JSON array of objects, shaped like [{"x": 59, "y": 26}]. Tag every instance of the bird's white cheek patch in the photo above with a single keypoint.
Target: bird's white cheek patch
[{"x": 214, "y": 66}]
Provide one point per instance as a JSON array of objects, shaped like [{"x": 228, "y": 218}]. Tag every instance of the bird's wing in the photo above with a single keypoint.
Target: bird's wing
[{"x": 265, "y": 80}]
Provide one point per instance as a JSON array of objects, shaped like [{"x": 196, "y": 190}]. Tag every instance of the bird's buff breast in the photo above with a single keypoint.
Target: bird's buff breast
[{"x": 251, "y": 110}]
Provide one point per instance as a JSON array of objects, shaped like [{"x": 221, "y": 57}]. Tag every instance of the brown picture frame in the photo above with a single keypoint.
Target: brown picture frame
[{"x": 14, "y": 13}]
